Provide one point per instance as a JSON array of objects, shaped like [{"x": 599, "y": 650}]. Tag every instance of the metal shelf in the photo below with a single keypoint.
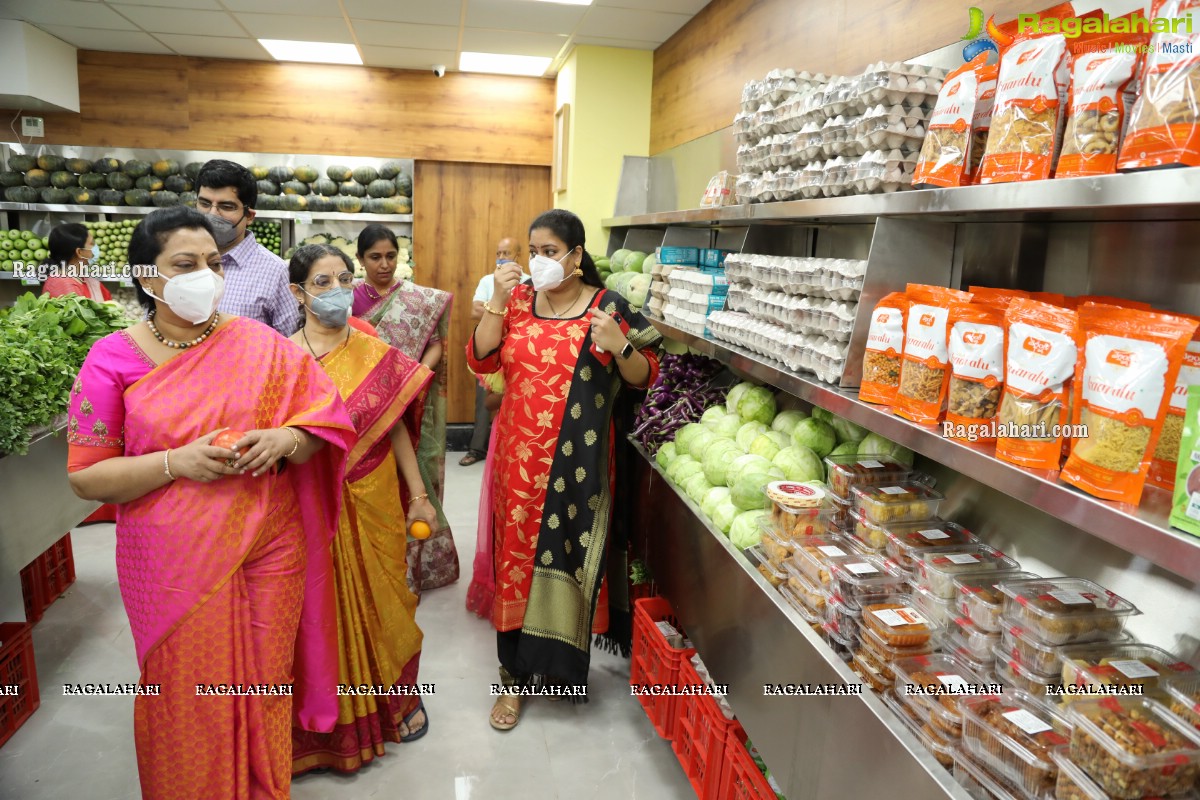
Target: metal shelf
[
  {"x": 1142, "y": 531},
  {"x": 1157, "y": 195},
  {"x": 141, "y": 211}
]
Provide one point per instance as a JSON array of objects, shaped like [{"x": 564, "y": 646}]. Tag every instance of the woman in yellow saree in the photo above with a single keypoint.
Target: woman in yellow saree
[
  {"x": 222, "y": 552},
  {"x": 379, "y": 643}
]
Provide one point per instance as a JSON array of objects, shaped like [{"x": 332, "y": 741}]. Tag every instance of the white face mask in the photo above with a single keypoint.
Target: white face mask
[
  {"x": 193, "y": 296},
  {"x": 546, "y": 272}
]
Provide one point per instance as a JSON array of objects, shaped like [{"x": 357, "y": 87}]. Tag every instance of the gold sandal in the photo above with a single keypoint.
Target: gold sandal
[{"x": 509, "y": 711}]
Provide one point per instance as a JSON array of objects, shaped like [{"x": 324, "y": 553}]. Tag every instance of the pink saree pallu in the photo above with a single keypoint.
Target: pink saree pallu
[{"x": 228, "y": 585}]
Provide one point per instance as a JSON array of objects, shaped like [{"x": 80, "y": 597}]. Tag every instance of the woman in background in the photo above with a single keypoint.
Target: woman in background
[
  {"x": 415, "y": 320},
  {"x": 379, "y": 643},
  {"x": 71, "y": 245}
]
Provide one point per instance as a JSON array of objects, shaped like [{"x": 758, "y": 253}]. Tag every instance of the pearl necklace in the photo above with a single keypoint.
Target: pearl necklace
[{"x": 181, "y": 345}]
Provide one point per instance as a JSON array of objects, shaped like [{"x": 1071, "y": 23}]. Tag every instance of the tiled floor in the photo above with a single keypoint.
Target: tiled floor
[{"x": 83, "y": 747}]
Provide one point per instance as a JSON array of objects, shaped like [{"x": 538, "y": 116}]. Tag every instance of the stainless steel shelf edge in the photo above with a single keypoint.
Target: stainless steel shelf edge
[
  {"x": 1142, "y": 531},
  {"x": 1153, "y": 193},
  {"x": 748, "y": 635},
  {"x": 56, "y": 208}
]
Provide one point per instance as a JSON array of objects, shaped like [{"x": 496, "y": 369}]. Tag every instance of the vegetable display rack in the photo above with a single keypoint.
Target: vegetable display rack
[
  {"x": 17, "y": 669},
  {"x": 656, "y": 663}
]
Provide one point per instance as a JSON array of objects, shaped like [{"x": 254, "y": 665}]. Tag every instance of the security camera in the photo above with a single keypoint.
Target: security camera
[{"x": 439, "y": 70}]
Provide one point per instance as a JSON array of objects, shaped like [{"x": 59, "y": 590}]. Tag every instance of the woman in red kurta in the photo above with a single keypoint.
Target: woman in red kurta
[{"x": 554, "y": 452}]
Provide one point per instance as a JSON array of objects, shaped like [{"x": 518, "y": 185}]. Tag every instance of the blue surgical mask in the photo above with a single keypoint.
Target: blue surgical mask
[{"x": 332, "y": 309}]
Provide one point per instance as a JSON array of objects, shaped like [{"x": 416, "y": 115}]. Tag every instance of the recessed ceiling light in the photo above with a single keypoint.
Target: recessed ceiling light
[
  {"x": 504, "y": 64},
  {"x": 312, "y": 52}
]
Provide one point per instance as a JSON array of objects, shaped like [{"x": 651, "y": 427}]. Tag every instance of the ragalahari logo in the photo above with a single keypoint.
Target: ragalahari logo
[{"x": 980, "y": 43}]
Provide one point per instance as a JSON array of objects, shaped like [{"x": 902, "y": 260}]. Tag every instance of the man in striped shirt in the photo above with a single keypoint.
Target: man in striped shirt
[{"x": 256, "y": 280}]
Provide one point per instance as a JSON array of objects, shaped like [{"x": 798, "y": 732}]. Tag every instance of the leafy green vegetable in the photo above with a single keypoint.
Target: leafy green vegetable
[
  {"x": 816, "y": 435},
  {"x": 800, "y": 464},
  {"x": 876, "y": 445},
  {"x": 757, "y": 405}
]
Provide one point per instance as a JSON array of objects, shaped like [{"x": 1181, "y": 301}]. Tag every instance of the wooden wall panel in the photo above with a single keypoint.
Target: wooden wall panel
[
  {"x": 699, "y": 72},
  {"x": 461, "y": 212},
  {"x": 171, "y": 102}
]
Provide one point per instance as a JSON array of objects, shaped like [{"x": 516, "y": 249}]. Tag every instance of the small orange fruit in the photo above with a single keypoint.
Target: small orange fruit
[{"x": 420, "y": 530}]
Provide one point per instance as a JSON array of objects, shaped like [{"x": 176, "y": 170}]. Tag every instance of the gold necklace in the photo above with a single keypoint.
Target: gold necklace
[
  {"x": 181, "y": 345},
  {"x": 572, "y": 305},
  {"x": 304, "y": 333}
]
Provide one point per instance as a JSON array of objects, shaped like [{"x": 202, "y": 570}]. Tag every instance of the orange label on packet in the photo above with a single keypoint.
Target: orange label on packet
[
  {"x": 1037, "y": 346},
  {"x": 974, "y": 337}
]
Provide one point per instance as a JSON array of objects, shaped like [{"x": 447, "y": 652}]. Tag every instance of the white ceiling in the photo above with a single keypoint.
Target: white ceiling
[{"x": 403, "y": 34}]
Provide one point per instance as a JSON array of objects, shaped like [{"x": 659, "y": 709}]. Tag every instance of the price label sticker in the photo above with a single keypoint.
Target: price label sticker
[
  {"x": 862, "y": 568},
  {"x": 1026, "y": 721},
  {"x": 1133, "y": 669},
  {"x": 304, "y": 217},
  {"x": 1070, "y": 598},
  {"x": 900, "y": 617},
  {"x": 30, "y": 282},
  {"x": 832, "y": 551},
  {"x": 894, "y": 490},
  {"x": 963, "y": 558},
  {"x": 933, "y": 534},
  {"x": 953, "y": 681},
  {"x": 871, "y": 464}
]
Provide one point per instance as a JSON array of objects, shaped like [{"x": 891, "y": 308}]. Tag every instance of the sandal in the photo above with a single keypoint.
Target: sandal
[
  {"x": 424, "y": 729},
  {"x": 470, "y": 458},
  {"x": 508, "y": 711}
]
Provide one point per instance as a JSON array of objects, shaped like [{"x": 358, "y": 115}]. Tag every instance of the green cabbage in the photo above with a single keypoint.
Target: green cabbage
[
  {"x": 717, "y": 459},
  {"x": 845, "y": 449},
  {"x": 724, "y": 514},
  {"x": 713, "y": 498},
  {"x": 735, "y": 395},
  {"x": 749, "y": 493},
  {"x": 822, "y": 414},
  {"x": 876, "y": 445},
  {"x": 786, "y": 420},
  {"x": 742, "y": 464},
  {"x": 757, "y": 405},
  {"x": 748, "y": 433},
  {"x": 696, "y": 487},
  {"x": 684, "y": 435},
  {"x": 816, "y": 435},
  {"x": 680, "y": 461},
  {"x": 847, "y": 431},
  {"x": 700, "y": 442},
  {"x": 665, "y": 455},
  {"x": 712, "y": 416},
  {"x": 800, "y": 464},
  {"x": 764, "y": 445},
  {"x": 780, "y": 438},
  {"x": 728, "y": 426},
  {"x": 746, "y": 530},
  {"x": 690, "y": 469}
]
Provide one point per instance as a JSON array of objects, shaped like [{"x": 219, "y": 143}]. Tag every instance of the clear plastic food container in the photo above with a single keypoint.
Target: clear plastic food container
[
  {"x": 980, "y": 598},
  {"x": 949, "y": 644},
  {"x": 897, "y": 502},
  {"x": 860, "y": 579},
  {"x": 897, "y": 622},
  {"x": 938, "y": 567},
  {"x": 975, "y": 641},
  {"x": 814, "y": 555},
  {"x": 981, "y": 783},
  {"x": 774, "y": 575},
  {"x": 841, "y": 644},
  {"x": 872, "y": 676},
  {"x": 872, "y": 537},
  {"x": 799, "y": 509},
  {"x": 1075, "y": 784},
  {"x": 885, "y": 653},
  {"x": 776, "y": 549},
  {"x": 1035, "y": 656},
  {"x": 1183, "y": 697},
  {"x": 1014, "y": 734},
  {"x": 1134, "y": 747},
  {"x": 1014, "y": 674},
  {"x": 813, "y": 597},
  {"x": 848, "y": 619},
  {"x": 1123, "y": 664},
  {"x": 801, "y": 608},
  {"x": 938, "y": 684},
  {"x": 939, "y": 611},
  {"x": 846, "y": 472},
  {"x": 905, "y": 541},
  {"x": 868, "y": 656},
  {"x": 842, "y": 513},
  {"x": 1065, "y": 610},
  {"x": 941, "y": 748}
]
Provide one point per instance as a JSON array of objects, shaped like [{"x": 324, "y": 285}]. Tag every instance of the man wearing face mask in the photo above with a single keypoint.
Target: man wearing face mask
[
  {"x": 256, "y": 280},
  {"x": 507, "y": 250}
]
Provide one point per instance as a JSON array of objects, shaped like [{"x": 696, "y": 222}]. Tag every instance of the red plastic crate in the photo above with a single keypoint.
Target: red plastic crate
[
  {"x": 58, "y": 569},
  {"x": 33, "y": 591},
  {"x": 655, "y": 662},
  {"x": 16, "y": 670},
  {"x": 701, "y": 737},
  {"x": 741, "y": 779}
]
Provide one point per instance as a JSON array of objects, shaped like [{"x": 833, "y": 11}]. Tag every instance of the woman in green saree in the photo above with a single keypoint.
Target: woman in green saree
[{"x": 415, "y": 320}]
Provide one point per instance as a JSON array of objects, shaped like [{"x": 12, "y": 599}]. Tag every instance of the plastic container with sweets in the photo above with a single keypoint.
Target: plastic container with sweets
[
  {"x": 869, "y": 657},
  {"x": 897, "y": 502},
  {"x": 813, "y": 596},
  {"x": 846, "y": 472},
  {"x": 859, "y": 579},
  {"x": 793, "y": 599},
  {"x": 895, "y": 621},
  {"x": 799, "y": 509},
  {"x": 871, "y": 675},
  {"x": 840, "y": 642},
  {"x": 1075, "y": 784},
  {"x": 939, "y": 611},
  {"x": 948, "y": 643},
  {"x": 906, "y": 541},
  {"x": 1014, "y": 674},
  {"x": 775, "y": 576},
  {"x": 813, "y": 555},
  {"x": 941, "y": 748},
  {"x": 871, "y": 537},
  {"x": 1183, "y": 697},
  {"x": 1065, "y": 610},
  {"x": 842, "y": 511},
  {"x": 980, "y": 598},
  {"x": 983, "y": 784},
  {"x": 1013, "y": 734},
  {"x": 938, "y": 684},
  {"x": 937, "y": 568},
  {"x": 776, "y": 549},
  {"x": 1036, "y": 656},
  {"x": 885, "y": 653},
  {"x": 978, "y": 643},
  {"x": 847, "y": 618},
  {"x": 1134, "y": 747},
  {"x": 1124, "y": 664}
]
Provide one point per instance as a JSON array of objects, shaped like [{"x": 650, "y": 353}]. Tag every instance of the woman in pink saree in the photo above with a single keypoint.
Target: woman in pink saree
[{"x": 223, "y": 553}]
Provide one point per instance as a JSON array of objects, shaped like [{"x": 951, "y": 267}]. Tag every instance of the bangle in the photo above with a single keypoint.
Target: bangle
[
  {"x": 488, "y": 308},
  {"x": 418, "y": 497},
  {"x": 167, "y": 464},
  {"x": 296, "y": 446}
]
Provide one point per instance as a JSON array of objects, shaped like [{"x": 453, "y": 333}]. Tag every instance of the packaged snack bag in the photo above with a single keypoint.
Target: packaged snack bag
[
  {"x": 925, "y": 371},
  {"x": 1164, "y": 128},
  {"x": 884, "y": 351},
  {"x": 1053, "y": 298},
  {"x": 945, "y": 154},
  {"x": 1030, "y": 97},
  {"x": 1103, "y": 78},
  {"x": 976, "y": 346},
  {"x": 1129, "y": 362},
  {"x": 1001, "y": 298},
  {"x": 1039, "y": 361},
  {"x": 1113, "y": 301},
  {"x": 1185, "y": 507},
  {"x": 1163, "y": 467},
  {"x": 986, "y": 78}
]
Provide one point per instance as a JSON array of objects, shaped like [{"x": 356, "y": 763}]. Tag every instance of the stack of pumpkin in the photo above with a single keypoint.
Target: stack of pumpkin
[
  {"x": 387, "y": 190},
  {"x": 57, "y": 179}
]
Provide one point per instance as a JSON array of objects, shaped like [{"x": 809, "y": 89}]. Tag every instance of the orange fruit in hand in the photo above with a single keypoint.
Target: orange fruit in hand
[
  {"x": 227, "y": 439},
  {"x": 420, "y": 529}
]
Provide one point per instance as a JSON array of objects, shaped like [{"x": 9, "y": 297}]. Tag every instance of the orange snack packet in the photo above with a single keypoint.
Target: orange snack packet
[
  {"x": 995, "y": 297},
  {"x": 976, "y": 346},
  {"x": 1129, "y": 362},
  {"x": 946, "y": 153},
  {"x": 987, "y": 77},
  {"x": 1164, "y": 127},
  {"x": 1166, "y": 453},
  {"x": 925, "y": 371},
  {"x": 1039, "y": 362},
  {"x": 884, "y": 350},
  {"x": 1113, "y": 301},
  {"x": 1053, "y": 298}
]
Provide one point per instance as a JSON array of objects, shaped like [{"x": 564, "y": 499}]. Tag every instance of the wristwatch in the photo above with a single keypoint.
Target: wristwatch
[{"x": 626, "y": 351}]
